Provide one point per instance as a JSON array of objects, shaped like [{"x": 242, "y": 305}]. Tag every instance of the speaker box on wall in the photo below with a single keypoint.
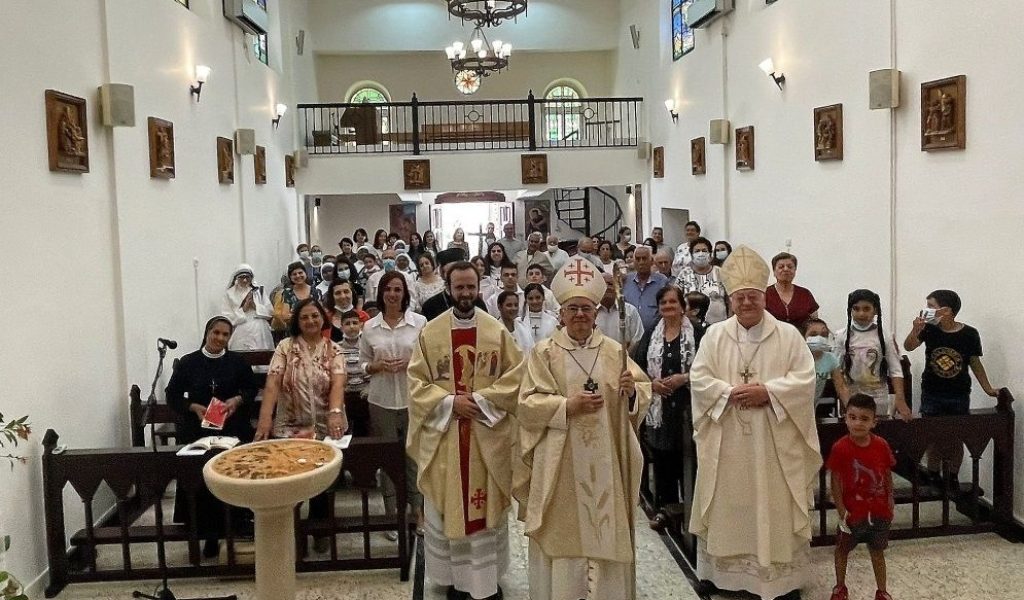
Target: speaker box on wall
[
  {"x": 634, "y": 32},
  {"x": 245, "y": 141},
  {"x": 117, "y": 104},
  {"x": 883, "y": 89},
  {"x": 643, "y": 150},
  {"x": 719, "y": 131},
  {"x": 300, "y": 42}
]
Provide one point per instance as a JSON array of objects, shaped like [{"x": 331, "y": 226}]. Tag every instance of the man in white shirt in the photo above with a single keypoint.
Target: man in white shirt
[
  {"x": 558, "y": 256},
  {"x": 509, "y": 283},
  {"x": 533, "y": 255},
  {"x": 608, "y": 317},
  {"x": 682, "y": 258}
]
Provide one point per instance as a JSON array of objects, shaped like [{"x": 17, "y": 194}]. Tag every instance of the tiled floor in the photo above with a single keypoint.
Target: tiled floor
[{"x": 982, "y": 566}]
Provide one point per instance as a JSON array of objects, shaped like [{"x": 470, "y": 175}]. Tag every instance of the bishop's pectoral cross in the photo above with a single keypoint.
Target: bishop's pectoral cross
[{"x": 747, "y": 374}]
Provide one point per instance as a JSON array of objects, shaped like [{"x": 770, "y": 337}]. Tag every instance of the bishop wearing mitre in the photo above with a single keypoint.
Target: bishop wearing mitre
[
  {"x": 579, "y": 480},
  {"x": 463, "y": 389},
  {"x": 752, "y": 388}
]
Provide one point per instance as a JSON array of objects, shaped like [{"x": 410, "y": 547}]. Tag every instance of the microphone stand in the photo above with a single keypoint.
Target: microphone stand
[{"x": 163, "y": 592}]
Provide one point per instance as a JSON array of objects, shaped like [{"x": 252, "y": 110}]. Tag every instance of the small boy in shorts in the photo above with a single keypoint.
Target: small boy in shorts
[{"x": 861, "y": 464}]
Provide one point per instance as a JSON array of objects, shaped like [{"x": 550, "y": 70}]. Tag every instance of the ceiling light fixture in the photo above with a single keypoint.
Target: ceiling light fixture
[
  {"x": 486, "y": 13},
  {"x": 481, "y": 57}
]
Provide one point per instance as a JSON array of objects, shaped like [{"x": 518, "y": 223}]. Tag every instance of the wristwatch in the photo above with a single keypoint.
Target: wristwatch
[{"x": 336, "y": 411}]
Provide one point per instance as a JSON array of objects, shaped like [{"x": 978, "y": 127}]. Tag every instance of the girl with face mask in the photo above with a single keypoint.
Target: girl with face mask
[
  {"x": 869, "y": 360},
  {"x": 700, "y": 275},
  {"x": 826, "y": 366},
  {"x": 722, "y": 251}
]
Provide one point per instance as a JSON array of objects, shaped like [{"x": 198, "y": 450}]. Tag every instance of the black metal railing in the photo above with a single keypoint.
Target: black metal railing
[{"x": 419, "y": 126}]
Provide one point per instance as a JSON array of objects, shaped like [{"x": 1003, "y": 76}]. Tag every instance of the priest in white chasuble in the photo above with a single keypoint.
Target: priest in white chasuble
[
  {"x": 752, "y": 386},
  {"x": 579, "y": 482},
  {"x": 463, "y": 390}
]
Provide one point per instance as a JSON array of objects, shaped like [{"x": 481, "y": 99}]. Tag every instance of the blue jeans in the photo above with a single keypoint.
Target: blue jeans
[{"x": 938, "y": 405}]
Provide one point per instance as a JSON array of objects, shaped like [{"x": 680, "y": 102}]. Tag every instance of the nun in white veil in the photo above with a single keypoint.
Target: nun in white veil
[{"x": 249, "y": 310}]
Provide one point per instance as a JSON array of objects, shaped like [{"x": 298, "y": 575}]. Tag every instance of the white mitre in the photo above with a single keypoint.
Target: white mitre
[
  {"x": 745, "y": 270},
  {"x": 578, "y": 278}
]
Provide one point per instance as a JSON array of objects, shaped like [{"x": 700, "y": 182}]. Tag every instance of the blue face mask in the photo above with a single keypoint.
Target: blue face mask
[
  {"x": 818, "y": 343},
  {"x": 389, "y": 264}
]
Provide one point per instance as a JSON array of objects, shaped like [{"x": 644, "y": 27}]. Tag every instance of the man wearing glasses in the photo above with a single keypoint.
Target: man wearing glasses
[{"x": 578, "y": 414}]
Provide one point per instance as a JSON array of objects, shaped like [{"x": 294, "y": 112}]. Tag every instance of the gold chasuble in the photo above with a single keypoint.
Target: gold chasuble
[
  {"x": 580, "y": 479},
  {"x": 465, "y": 466}
]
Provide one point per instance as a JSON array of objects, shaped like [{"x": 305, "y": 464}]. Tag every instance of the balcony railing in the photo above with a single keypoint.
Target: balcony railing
[{"x": 417, "y": 127}]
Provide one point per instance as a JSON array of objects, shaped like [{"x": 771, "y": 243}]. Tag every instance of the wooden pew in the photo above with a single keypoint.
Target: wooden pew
[{"x": 140, "y": 476}]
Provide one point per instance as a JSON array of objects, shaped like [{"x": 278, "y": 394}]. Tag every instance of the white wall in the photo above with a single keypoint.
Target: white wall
[
  {"x": 429, "y": 75},
  {"x": 125, "y": 242},
  {"x": 889, "y": 217},
  {"x": 340, "y": 215},
  {"x": 342, "y": 26},
  {"x": 469, "y": 171}
]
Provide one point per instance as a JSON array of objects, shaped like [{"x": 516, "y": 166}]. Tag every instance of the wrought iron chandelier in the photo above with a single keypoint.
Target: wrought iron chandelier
[
  {"x": 481, "y": 57},
  {"x": 486, "y": 13}
]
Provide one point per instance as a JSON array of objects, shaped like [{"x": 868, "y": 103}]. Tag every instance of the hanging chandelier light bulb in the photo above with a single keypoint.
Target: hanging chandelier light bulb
[
  {"x": 486, "y": 13},
  {"x": 483, "y": 57}
]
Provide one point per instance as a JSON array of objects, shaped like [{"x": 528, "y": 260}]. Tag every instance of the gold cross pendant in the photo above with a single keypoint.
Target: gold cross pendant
[{"x": 747, "y": 374}]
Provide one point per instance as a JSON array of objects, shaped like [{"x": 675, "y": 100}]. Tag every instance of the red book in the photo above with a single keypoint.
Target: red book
[{"x": 216, "y": 414}]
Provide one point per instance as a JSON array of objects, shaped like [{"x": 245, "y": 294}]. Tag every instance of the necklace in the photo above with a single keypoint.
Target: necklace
[
  {"x": 590, "y": 386},
  {"x": 746, "y": 373}
]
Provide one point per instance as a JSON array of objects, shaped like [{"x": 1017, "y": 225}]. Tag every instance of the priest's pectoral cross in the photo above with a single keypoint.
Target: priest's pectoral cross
[
  {"x": 535, "y": 329},
  {"x": 747, "y": 374},
  {"x": 213, "y": 388}
]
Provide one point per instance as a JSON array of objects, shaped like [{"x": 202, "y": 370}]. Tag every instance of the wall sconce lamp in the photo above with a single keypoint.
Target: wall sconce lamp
[
  {"x": 671, "y": 106},
  {"x": 768, "y": 66},
  {"x": 202, "y": 72},
  {"x": 280, "y": 110}
]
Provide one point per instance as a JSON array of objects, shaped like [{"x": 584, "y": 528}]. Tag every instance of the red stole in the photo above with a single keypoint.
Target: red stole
[{"x": 472, "y": 473}]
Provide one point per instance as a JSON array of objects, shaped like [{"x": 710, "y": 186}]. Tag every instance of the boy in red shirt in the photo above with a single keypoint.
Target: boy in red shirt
[{"x": 861, "y": 472}]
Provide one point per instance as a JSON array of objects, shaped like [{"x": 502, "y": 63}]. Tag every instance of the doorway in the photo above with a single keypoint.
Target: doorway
[
  {"x": 472, "y": 218},
  {"x": 673, "y": 222}
]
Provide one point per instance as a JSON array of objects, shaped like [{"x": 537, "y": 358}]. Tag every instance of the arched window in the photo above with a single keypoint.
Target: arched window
[
  {"x": 368, "y": 95},
  {"x": 562, "y": 113},
  {"x": 369, "y": 92}
]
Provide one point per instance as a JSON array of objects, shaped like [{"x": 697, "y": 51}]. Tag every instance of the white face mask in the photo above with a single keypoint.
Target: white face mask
[
  {"x": 722, "y": 254},
  {"x": 702, "y": 258},
  {"x": 552, "y": 247},
  {"x": 304, "y": 253},
  {"x": 930, "y": 316},
  {"x": 860, "y": 327},
  {"x": 818, "y": 343}
]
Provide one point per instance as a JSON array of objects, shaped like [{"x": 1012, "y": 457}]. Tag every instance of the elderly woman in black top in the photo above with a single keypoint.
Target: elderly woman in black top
[
  {"x": 208, "y": 373},
  {"x": 666, "y": 353}
]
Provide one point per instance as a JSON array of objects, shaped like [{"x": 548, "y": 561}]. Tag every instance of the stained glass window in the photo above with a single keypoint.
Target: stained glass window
[{"x": 682, "y": 35}]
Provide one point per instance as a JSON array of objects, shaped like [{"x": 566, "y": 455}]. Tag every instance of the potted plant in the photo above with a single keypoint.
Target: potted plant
[{"x": 10, "y": 433}]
